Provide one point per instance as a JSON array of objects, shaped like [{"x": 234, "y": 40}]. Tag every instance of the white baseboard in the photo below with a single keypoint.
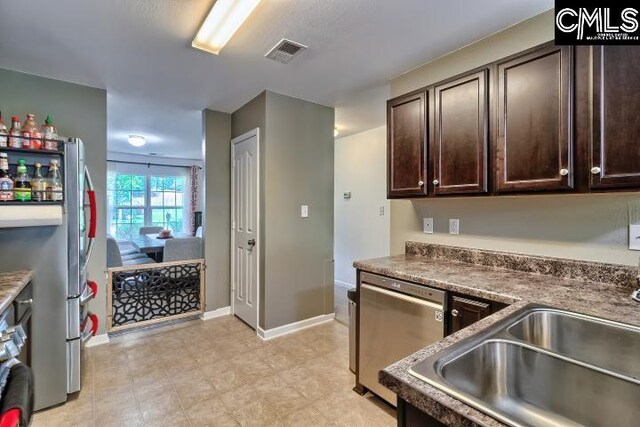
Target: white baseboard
[
  {"x": 269, "y": 334},
  {"x": 208, "y": 315},
  {"x": 343, "y": 284},
  {"x": 98, "y": 340}
]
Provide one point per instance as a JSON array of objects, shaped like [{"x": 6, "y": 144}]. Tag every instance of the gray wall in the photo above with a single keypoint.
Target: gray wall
[
  {"x": 589, "y": 227},
  {"x": 217, "y": 202},
  {"x": 296, "y": 152},
  {"x": 299, "y": 170}
]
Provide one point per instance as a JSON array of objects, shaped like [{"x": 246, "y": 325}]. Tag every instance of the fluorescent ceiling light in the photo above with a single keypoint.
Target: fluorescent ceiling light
[
  {"x": 137, "y": 140},
  {"x": 224, "y": 19}
]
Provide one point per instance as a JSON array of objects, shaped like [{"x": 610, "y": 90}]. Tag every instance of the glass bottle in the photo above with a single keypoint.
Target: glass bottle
[
  {"x": 22, "y": 183},
  {"x": 15, "y": 140},
  {"x": 32, "y": 137},
  {"x": 6, "y": 181},
  {"x": 50, "y": 134},
  {"x": 54, "y": 182},
  {"x": 38, "y": 185},
  {"x": 3, "y": 132}
]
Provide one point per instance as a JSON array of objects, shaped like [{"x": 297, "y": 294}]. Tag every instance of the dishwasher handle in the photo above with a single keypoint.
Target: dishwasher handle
[
  {"x": 408, "y": 288},
  {"x": 401, "y": 296}
]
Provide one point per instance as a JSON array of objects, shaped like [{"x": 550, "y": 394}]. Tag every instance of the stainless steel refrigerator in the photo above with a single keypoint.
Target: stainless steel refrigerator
[{"x": 58, "y": 255}]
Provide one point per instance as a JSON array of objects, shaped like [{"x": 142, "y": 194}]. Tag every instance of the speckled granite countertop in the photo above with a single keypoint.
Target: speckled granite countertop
[
  {"x": 585, "y": 292},
  {"x": 11, "y": 283}
]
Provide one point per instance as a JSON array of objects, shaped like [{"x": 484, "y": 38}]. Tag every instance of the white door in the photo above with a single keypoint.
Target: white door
[{"x": 244, "y": 227}]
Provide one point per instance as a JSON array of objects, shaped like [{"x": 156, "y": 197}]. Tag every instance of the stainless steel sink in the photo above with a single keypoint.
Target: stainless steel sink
[
  {"x": 544, "y": 367},
  {"x": 608, "y": 345}
]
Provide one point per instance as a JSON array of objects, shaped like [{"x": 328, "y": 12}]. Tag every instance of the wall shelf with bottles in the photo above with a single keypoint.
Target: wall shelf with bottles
[{"x": 33, "y": 160}]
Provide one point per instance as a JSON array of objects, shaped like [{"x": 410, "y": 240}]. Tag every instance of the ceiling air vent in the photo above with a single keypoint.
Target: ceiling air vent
[{"x": 285, "y": 50}]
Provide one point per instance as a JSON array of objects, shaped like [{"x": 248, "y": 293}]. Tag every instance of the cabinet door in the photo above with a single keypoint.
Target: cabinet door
[
  {"x": 615, "y": 141},
  {"x": 535, "y": 142},
  {"x": 461, "y": 135},
  {"x": 406, "y": 145},
  {"x": 465, "y": 312}
]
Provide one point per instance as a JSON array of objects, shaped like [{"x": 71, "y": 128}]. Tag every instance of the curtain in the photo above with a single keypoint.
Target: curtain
[{"x": 193, "y": 177}]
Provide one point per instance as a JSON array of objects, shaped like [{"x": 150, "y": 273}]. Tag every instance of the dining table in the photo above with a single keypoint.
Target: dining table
[{"x": 152, "y": 245}]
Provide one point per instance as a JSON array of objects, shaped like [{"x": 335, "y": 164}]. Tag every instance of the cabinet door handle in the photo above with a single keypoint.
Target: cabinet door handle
[
  {"x": 420, "y": 183},
  {"x": 436, "y": 182},
  {"x": 454, "y": 313},
  {"x": 595, "y": 170},
  {"x": 564, "y": 172}
]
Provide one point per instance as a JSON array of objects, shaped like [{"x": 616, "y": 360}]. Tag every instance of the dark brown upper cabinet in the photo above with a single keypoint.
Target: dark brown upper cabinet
[
  {"x": 461, "y": 135},
  {"x": 615, "y": 137},
  {"x": 406, "y": 145},
  {"x": 535, "y": 139}
]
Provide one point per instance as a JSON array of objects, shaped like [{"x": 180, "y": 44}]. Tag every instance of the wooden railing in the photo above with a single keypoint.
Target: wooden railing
[{"x": 147, "y": 294}]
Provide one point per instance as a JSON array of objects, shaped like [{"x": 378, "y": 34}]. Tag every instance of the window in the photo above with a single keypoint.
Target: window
[
  {"x": 167, "y": 201},
  {"x": 126, "y": 195},
  {"x": 137, "y": 199}
]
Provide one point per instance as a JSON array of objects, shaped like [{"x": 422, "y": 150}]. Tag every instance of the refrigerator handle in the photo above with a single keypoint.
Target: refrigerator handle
[
  {"x": 86, "y": 335},
  {"x": 93, "y": 217}
]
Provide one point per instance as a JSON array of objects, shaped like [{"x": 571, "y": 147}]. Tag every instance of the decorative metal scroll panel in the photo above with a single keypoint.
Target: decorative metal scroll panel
[{"x": 154, "y": 293}]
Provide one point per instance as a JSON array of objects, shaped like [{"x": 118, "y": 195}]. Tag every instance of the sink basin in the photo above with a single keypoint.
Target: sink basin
[
  {"x": 537, "y": 388},
  {"x": 544, "y": 367},
  {"x": 608, "y": 345}
]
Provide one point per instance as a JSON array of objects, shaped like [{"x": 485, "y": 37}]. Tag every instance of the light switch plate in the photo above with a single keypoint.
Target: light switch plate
[
  {"x": 427, "y": 225},
  {"x": 454, "y": 226},
  {"x": 634, "y": 237},
  {"x": 304, "y": 211}
]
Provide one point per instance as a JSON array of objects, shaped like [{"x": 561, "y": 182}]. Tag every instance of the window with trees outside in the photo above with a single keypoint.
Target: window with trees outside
[{"x": 144, "y": 199}]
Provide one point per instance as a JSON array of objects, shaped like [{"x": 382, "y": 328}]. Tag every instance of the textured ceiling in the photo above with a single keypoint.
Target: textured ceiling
[{"x": 139, "y": 50}]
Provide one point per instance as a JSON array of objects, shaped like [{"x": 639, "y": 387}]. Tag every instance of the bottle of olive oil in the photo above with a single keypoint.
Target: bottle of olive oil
[{"x": 38, "y": 185}]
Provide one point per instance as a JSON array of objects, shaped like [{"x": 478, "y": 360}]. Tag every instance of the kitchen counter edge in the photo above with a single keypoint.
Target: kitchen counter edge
[{"x": 11, "y": 284}]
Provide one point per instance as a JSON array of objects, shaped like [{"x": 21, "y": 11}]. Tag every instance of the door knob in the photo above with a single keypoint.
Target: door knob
[
  {"x": 564, "y": 172},
  {"x": 420, "y": 183},
  {"x": 595, "y": 170},
  {"x": 454, "y": 313},
  {"x": 252, "y": 242},
  {"x": 436, "y": 182}
]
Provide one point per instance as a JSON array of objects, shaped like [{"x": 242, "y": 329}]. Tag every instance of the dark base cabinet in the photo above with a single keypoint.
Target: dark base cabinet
[
  {"x": 465, "y": 311},
  {"x": 410, "y": 416}
]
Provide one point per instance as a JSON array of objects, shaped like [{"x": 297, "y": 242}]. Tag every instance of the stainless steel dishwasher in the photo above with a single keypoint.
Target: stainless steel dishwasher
[{"x": 396, "y": 319}]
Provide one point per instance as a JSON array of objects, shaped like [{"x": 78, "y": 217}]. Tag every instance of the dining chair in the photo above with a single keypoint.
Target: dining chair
[
  {"x": 150, "y": 230},
  {"x": 199, "y": 231},
  {"x": 116, "y": 259},
  {"x": 127, "y": 247},
  {"x": 181, "y": 249}
]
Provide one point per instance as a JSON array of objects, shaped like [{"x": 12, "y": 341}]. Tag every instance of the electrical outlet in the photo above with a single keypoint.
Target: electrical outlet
[
  {"x": 634, "y": 237},
  {"x": 454, "y": 226},
  {"x": 427, "y": 225},
  {"x": 381, "y": 211},
  {"x": 304, "y": 211}
]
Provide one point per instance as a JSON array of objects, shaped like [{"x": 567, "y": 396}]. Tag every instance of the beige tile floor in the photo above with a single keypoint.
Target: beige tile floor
[{"x": 218, "y": 373}]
